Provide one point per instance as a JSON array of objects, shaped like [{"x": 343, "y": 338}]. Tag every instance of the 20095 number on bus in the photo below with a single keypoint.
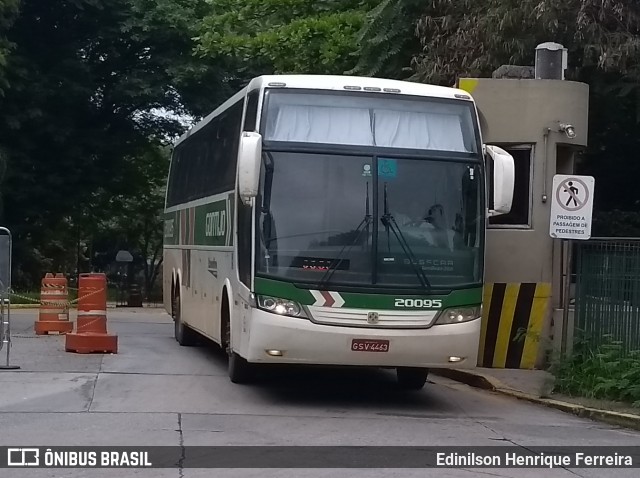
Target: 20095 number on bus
[{"x": 419, "y": 303}]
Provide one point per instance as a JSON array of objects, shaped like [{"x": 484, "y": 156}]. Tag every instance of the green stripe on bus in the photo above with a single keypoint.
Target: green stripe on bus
[
  {"x": 172, "y": 228},
  {"x": 213, "y": 224},
  {"x": 287, "y": 290}
]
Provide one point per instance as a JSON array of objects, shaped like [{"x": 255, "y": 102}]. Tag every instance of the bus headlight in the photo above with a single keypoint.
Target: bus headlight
[
  {"x": 280, "y": 306},
  {"x": 457, "y": 315}
]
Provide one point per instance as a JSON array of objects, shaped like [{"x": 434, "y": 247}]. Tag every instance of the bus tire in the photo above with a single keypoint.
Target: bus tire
[
  {"x": 183, "y": 334},
  {"x": 240, "y": 371},
  {"x": 225, "y": 326},
  {"x": 411, "y": 378}
]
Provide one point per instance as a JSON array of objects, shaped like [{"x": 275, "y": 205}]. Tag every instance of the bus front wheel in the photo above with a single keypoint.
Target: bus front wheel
[
  {"x": 240, "y": 371},
  {"x": 411, "y": 378}
]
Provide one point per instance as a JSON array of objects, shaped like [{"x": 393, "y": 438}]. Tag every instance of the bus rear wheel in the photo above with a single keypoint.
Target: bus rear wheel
[
  {"x": 183, "y": 334},
  {"x": 412, "y": 378}
]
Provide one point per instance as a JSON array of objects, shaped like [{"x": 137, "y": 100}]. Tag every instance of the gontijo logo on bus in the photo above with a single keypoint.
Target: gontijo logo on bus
[
  {"x": 215, "y": 224},
  {"x": 207, "y": 224}
]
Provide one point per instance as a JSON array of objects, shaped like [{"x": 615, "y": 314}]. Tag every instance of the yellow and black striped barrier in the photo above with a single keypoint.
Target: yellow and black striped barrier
[{"x": 512, "y": 320}]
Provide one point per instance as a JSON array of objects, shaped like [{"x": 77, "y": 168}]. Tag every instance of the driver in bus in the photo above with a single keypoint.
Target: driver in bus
[
  {"x": 431, "y": 226},
  {"x": 442, "y": 233},
  {"x": 413, "y": 221}
]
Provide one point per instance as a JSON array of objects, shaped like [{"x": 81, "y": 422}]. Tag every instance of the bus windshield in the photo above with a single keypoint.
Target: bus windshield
[
  {"x": 375, "y": 120},
  {"x": 331, "y": 219}
]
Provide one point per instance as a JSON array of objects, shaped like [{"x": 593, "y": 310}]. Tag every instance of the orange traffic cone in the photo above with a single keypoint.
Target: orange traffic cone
[
  {"x": 54, "y": 306},
  {"x": 91, "y": 327}
]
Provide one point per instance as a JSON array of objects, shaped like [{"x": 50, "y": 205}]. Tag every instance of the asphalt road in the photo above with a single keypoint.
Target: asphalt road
[{"x": 154, "y": 392}]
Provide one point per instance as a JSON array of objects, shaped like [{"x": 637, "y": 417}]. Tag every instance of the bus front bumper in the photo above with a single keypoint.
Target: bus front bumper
[{"x": 281, "y": 339}]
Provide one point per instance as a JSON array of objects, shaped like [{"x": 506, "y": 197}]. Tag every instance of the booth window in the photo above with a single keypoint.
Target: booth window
[{"x": 520, "y": 215}]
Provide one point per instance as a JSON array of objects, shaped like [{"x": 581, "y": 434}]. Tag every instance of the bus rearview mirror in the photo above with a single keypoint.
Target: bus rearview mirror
[
  {"x": 501, "y": 172},
  {"x": 249, "y": 160}
]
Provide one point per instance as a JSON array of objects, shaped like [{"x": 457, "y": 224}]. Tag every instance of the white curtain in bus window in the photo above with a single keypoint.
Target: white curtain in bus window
[
  {"x": 321, "y": 124},
  {"x": 409, "y": 129}
]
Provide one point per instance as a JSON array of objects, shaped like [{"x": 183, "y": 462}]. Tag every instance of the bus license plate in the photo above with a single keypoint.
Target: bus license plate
[{"x": 369, "y": 345}]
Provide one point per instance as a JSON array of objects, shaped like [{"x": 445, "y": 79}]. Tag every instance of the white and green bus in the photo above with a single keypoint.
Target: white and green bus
[{"x": 334, "y": 220}]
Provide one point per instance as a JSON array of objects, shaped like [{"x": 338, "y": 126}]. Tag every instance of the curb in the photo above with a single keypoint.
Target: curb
[{"x": 485, "y": 382}]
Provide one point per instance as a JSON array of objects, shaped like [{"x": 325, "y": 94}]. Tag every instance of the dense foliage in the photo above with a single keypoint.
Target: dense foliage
[
  {"x": 283, "y": 36},
  {"x": 388, "y": 39},
  {"x": 8, "y": 11},
  {"x": 76, "y": 123}
]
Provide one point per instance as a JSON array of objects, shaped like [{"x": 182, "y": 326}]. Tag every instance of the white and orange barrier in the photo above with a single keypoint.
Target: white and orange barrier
[
  {"x": 54, "y": 306},
  {"x": 91, "y": 327}
]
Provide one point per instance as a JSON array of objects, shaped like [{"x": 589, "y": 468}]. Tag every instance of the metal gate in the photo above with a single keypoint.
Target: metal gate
[{"x": 608, "y": 291}]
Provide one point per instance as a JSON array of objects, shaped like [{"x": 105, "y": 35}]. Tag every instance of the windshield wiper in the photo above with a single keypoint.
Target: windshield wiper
[
  {"x": 362, "y": 227},
  {"x": 266, "y": 224},
  {"x": 390, "y": 223}
]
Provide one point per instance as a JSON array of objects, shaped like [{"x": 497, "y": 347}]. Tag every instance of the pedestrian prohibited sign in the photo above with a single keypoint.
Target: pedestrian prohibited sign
[{"x": 571, "y": 207}]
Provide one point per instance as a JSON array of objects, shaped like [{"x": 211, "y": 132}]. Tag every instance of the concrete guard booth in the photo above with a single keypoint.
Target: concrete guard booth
[{"x": 542, "y": 123}]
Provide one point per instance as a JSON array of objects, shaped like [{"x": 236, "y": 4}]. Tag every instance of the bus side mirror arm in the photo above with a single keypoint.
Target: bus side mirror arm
[
  {"x": 501, "y": 168},
  {"x": 249, "y": 160}
]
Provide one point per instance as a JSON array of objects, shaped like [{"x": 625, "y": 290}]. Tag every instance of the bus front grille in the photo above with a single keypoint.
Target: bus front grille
[{"x": 374, "y": 318}]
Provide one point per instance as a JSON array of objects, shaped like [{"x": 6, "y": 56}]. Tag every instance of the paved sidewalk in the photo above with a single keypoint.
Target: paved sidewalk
[{"x": 536, "y": 386}]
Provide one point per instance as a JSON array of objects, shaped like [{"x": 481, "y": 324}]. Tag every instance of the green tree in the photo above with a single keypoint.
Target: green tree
[
  {"x": 84, "y": 79},
  {"x": 464, "y": 37},
  {"x": 388, "y": 39},
  {"x": 136, "y": 222},
  {"x": 256, "y": 37},
  {"x": 8, "y": 11}
]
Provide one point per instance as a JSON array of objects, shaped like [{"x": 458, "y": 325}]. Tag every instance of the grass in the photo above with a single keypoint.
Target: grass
[{"x": 602, "y": 371}]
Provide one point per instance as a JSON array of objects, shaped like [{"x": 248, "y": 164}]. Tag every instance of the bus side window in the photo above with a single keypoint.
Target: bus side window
[
  {"x": 173, "y": 176},
  {"x": 230, "y": 132},
  {"x": 251, "y": 117},
  {"x": 199, "y": 164},
  {"x": 196, "y": 159},
  {"x": 181, "y": 175},
  {"x": 213, "y": 156}
]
